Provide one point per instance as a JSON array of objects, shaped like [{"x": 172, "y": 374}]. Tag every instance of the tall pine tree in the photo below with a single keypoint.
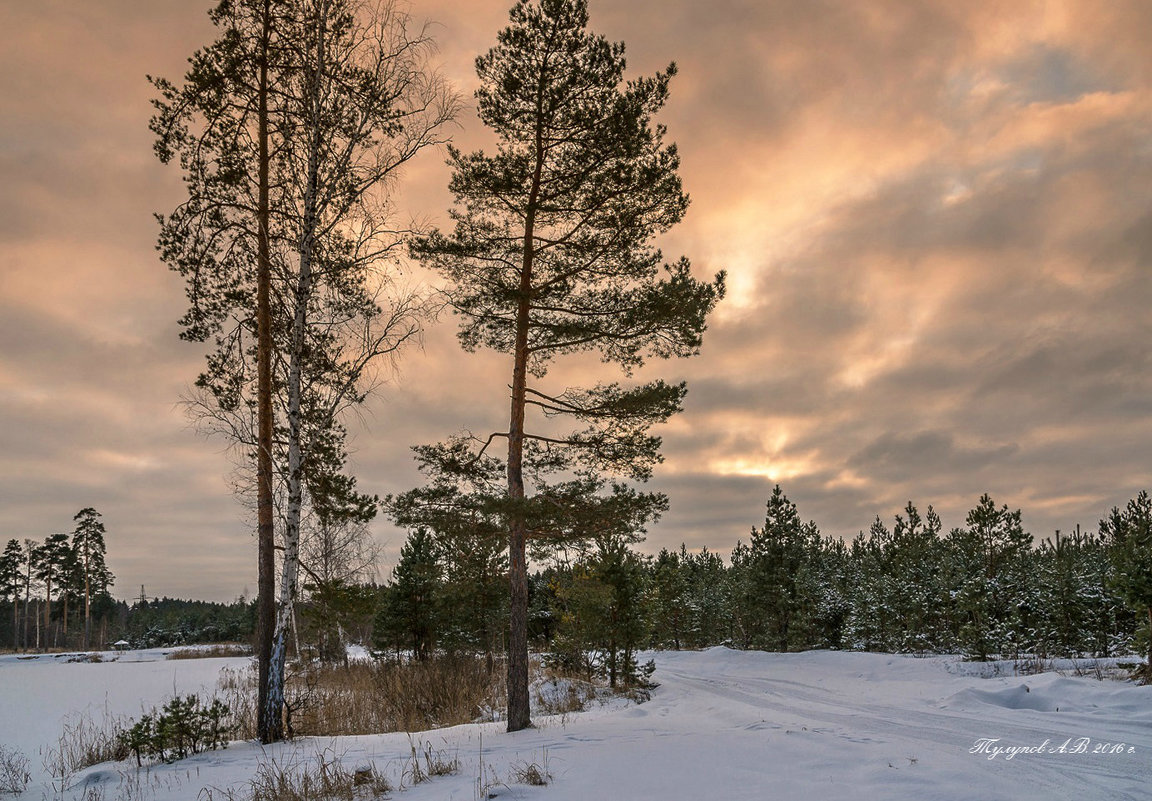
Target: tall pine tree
[
  {"x": 50, "y": 562},
  {"x": 11, "y": 582},
  {"x": 216, "y": 125},
  {"x": 780, "y": 588},
  {"x": 668, "y": 600},
  {"x": 551, "y": 254},
  {"x": 90, "y": 550}
]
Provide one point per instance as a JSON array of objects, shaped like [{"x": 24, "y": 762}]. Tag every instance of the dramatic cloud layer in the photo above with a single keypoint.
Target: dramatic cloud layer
[{"x": 936, "y": 217}]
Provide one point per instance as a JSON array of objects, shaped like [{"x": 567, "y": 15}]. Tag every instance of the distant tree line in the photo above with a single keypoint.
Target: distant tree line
[
  {"x": 144, "y": 623},
  {"x": 167, "y": 622},
  {"x": 55, "y": 593},
  {"x": 983, "y": 590}
]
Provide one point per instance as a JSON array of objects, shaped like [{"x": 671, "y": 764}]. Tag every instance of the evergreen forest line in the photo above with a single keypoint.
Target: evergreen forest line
[{"x": 984, "y": 590}]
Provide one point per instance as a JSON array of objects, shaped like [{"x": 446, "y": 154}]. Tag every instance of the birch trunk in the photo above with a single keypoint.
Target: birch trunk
[{"x": 290, "y": 566}]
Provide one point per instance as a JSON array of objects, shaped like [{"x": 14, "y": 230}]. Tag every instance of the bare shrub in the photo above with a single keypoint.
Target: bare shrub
[
  {"x": 1103, "y": 670},
  {"x": 562, "y": 695},
  {"x": 562, "y": 692},
  {"x": 94, "y": 657},
  {"x": 1138, "y": 672},
  {"x": 1032, "y": 666},
  {"x": 14, "y": 774}
]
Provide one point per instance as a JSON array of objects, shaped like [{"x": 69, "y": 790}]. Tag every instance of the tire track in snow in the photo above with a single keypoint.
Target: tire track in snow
[{"x": 848, "y": 714}]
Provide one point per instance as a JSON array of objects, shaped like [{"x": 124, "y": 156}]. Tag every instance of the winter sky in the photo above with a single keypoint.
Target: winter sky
[{"x": 936, "y": 217}]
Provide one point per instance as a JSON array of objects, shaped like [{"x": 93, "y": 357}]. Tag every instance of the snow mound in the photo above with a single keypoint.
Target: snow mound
[{"x": 1019, "y": 697}]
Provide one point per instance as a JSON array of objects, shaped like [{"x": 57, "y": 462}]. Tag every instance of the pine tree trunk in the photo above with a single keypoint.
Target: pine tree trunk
[
  {"x": 519, "y": 712},
  {"x": 612, "y": 664},
  {"x": 87, "y": 600},
  {"x": 266, "y": 580},
  {"x": 47, "y": 611},
  {"x": 27, "y": 598}
]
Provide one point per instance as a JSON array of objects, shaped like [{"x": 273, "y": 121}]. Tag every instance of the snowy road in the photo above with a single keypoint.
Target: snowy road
[
  {"x": 748, "y": 725},
  {"x": 877, "y": 726}
]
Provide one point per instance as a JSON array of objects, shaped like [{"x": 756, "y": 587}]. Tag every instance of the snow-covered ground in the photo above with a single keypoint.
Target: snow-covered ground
[
  {"x": 722, "y": 724},
  {"x": 41, "y": 694}
]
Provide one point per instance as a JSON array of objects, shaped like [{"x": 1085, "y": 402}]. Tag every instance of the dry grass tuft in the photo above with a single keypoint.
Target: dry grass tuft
[
  {"x": 533, "y": 773},
  {"x": 327, "y": 780},
  {"x": 371, "y": 697},
  {"x": 435, "y": 762},
  {"x": 83, "y": 743},
  {"x": 236, "y": 687}
]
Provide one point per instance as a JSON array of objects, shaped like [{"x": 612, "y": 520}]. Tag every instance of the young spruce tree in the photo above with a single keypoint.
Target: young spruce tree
[
  {"x": 1129, "y": 532},
  {"x": 551, "y": 254},
  {"x": 408, "y": 617}
]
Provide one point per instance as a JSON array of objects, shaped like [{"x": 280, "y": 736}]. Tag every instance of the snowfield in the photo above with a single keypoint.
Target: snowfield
[{"x": 722, "y": 725}]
